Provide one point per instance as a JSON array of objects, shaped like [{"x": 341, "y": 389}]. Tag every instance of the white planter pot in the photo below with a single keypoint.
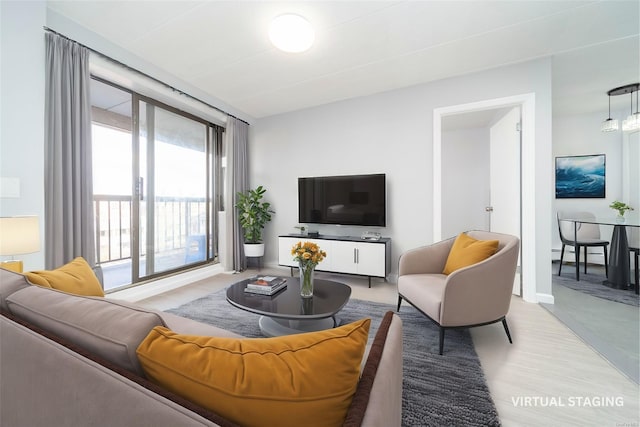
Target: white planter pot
[{"x": 254, "y": 249}]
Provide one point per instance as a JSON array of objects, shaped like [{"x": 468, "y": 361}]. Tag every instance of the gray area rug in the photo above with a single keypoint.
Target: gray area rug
[
  {"x": 591, "y": 283},
  {"x": 448, "y": 390}
]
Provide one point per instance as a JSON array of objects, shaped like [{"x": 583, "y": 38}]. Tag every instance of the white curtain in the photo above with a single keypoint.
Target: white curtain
[
  {"x": 69, "y": 227},
  {"x": 236, "y": 145}
]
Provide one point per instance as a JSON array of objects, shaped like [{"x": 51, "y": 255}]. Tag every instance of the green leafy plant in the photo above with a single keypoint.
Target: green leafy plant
[
  {"x": 254, "y": 213},
  {"x": 620, "y": 207}
]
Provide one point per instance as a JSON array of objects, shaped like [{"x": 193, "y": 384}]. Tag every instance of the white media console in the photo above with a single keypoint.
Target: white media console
[{"x": 346, "y": 255}]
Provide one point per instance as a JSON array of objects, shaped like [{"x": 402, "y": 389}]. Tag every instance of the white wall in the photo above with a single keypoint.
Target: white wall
[
  {"x": 465, "y": 180},
  {"x": 76, "y": 32},
  {"x": 22, "y": 54},
  {"x": 392, "y": 133},
  {"x": 579, "y": 135}
]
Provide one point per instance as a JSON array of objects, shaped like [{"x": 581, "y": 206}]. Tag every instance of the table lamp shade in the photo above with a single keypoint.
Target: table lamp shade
[{"x": 19, "y": 235}]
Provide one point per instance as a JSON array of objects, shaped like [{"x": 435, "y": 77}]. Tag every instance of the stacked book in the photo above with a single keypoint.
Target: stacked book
[{"x": 266, "y": 285}]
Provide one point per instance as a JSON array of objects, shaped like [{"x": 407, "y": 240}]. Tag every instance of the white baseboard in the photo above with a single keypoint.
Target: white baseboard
[
  {"x": 545, "y": 298},
  {"x": 569, "y": 256},
  {"x": 156, "y": 287}
]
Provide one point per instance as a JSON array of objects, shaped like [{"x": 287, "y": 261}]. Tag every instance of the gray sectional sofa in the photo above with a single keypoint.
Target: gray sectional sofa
[{"x": 68, "y": 360}]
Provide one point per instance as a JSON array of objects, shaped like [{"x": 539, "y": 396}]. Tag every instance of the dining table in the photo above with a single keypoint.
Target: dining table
[{"x": 619, "y": 273}]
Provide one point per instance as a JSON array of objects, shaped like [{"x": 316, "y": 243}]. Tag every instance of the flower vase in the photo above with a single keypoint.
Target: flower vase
[
  {"x": 306, "y": 280},
  {"x": 620, "y": 219}
]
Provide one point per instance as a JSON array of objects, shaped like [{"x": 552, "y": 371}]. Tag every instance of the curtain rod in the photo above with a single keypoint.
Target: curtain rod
[{"x": 146, "y": 75}]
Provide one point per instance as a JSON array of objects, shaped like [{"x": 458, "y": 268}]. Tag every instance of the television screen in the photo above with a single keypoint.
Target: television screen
[{"x": 344, "y": 200}]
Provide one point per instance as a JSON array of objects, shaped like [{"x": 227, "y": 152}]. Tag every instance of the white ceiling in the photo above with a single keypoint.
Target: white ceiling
[{"x": 366, "y": 47}]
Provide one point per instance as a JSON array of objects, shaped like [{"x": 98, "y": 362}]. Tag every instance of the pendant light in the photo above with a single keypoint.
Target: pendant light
[
  {"x": 610, "y": 124},
  {"x": 633, "y": 121}
]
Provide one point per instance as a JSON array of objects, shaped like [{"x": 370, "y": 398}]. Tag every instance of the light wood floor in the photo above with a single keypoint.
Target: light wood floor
[{"x": 547, "y": 377}]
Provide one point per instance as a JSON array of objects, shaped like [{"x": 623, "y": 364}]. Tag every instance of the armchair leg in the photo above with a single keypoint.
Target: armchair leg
[
  {"x": 399, "y": 302},
  {"x": 561, "y": 258},
  {"x": 441, "y": 340},
  {"x": 506, "y": 329}
]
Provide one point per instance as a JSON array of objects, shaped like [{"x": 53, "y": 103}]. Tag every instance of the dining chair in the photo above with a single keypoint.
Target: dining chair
[{"x": 586, "y": 236}]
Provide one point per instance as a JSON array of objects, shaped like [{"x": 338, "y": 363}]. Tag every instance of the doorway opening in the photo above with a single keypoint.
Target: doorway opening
[{"x": 526, "y": 103}]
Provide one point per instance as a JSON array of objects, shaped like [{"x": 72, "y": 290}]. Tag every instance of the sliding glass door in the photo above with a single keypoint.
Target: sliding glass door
[
  {"x": 156, "y": 184},
  {"x": 172, "y": 209}
]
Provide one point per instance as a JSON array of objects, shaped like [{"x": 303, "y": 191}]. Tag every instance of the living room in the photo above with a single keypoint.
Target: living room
[{"x": 389, "y": 132}]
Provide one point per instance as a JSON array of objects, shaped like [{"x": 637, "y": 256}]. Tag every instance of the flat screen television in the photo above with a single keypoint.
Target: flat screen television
[{"x": 344, "y": 200}]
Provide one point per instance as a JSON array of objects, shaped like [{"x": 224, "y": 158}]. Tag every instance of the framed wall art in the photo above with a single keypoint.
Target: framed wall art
[{"x": 580, "y": 177}]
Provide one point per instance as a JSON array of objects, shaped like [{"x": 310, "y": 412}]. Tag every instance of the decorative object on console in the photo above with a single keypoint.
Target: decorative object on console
[
  {"x": 632, "y": 122},
  {"x": 580, "y": 177},
  {"x": 314, "y": 234},
  {"x": 622, "y": 208},
  {"x": 371, "y": 235},
  {"x": 19, "y": 235},
  {"x": 302, "y": 229},
  {"x": 254, "y": 215},
  {"x": 308, "y": 255}
]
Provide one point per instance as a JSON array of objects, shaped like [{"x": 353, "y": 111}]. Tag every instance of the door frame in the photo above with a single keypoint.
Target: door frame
[{"x": 528, "y": 239}]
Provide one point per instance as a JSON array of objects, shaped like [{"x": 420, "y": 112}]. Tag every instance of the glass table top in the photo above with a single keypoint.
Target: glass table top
[
  {"x": 328, "y": 298},
  {"x": 631, "y": 220}
]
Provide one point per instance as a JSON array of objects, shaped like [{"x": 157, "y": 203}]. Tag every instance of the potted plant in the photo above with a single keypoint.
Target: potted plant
[
  {"x": 254, "y": 215},
  {"x": 622, "y": 208}
]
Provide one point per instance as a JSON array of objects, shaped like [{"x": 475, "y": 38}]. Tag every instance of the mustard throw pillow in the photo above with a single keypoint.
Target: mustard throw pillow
[
  {"x": 306, "y": 379},
  {"x": 76, "y": 277},
  {"x": 467, "y": 251}
]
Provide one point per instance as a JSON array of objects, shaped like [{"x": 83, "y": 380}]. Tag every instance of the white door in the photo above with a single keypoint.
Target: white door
[{"x": 504, "y": 208}]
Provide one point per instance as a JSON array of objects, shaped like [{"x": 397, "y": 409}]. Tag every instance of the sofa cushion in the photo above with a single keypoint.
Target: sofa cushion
[
  {"x": 10, "y": 282},
  {"x": 76, "y": 277},
  {"x": 305, "y": 379},
  {"x": 467, "y": 251},
  {"x": 113, "y": 330}
]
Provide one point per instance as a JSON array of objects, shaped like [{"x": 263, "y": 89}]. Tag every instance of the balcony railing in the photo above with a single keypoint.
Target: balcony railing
[{"x": 175, "y": 219}]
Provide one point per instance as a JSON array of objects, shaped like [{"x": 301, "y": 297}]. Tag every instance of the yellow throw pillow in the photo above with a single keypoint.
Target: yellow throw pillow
[
  {"x": 76, "y": 277},
  {"x": 306, "y": 379},
  {"x": 467, "y": 251}
]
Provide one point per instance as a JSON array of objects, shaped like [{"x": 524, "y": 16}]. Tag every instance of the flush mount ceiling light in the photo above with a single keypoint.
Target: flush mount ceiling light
[
  {"x": 291, "y": 33},
  {"x": 633, "y": 121}
]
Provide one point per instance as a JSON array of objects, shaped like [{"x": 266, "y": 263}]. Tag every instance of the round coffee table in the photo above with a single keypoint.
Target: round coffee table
[{"x": 287, "y": 312}]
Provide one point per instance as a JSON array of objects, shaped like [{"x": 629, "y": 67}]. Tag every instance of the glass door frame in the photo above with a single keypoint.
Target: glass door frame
[{"x": 213, "y": 159}]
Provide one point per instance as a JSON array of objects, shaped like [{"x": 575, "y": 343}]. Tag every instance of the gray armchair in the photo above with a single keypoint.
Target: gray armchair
[{"x": 476, "y": 295}]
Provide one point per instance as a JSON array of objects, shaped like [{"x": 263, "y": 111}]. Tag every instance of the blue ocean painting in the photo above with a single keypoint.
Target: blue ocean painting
[{"x": 580, "y": 177}]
